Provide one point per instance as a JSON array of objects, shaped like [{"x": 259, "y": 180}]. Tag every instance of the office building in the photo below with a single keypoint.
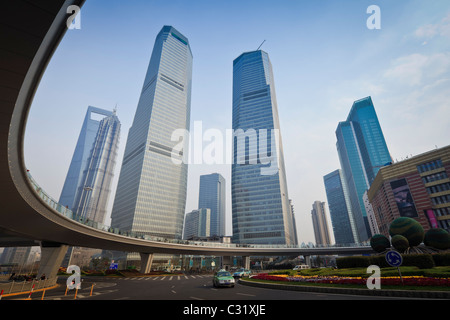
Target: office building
[
  {"x": 362, "y": 152},
  {"x": 88, "y": 183},
  {"x": 261, "y": 211},
  {"x": 151, "y": 192},
  {"x": 93, "y": 194},
  {"x": 197, "y": 224},
  {"x": 418, "y": 188},
  {"x": 91, "y": 150},
  {"x": 320, "y": 223},
  {"x": 344, "y": 229},
  {"x": 212, "y": 195}
]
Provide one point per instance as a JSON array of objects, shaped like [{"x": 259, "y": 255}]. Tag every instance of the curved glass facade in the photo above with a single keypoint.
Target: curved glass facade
[
  {"x": 362, "y": 152},
  {"x": 260, "y": 202},
  {"x": 151, "y": 192}
]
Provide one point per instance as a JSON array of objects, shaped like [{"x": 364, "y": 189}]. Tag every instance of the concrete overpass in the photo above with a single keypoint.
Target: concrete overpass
[{"x": 31, "y": 32}]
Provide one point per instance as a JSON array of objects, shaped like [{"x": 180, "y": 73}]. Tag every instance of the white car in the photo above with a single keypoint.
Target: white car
[{"x": 301, "y": 267}]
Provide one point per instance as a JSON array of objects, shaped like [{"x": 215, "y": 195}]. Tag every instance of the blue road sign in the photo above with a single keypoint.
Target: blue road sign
[
  {"x": 113, "y": 266},
  {"x": 394, "y": 259}
]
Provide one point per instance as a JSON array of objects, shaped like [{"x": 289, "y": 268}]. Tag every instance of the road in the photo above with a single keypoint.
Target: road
[{"x": 176, "y": 287}]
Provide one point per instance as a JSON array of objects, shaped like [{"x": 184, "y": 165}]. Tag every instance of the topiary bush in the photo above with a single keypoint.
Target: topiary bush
[
  {"x": 437, "y": 238},
  {"x": 409, "y": 228},
  {"x": 379, "y": 243},
  {"x": 400, "y": 243}
]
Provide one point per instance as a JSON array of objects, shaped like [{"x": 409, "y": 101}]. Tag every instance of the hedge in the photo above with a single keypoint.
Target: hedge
[
  {"x": 441, "y": 259},
  {"x": 422, "y": 261}
]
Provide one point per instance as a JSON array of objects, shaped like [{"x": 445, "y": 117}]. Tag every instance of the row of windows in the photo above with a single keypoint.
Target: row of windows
[
  {"x": 442, "y": 212},
  {"x": 432, "y": 165},
  {"x": 441, "y": 199},
  {"x": 435, "y": 177},
  {"x": 439, "y": 188}
]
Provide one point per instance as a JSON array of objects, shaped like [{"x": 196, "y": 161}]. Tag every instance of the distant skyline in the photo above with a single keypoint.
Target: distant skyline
[{"x": 324, "y": 58}]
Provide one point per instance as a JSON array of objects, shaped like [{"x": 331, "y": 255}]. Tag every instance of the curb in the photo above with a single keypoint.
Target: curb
[{"x": 367, "y": 292}]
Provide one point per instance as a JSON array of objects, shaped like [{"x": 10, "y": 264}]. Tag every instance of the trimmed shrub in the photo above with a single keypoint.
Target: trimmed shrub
[
  {"x": 353, "y": 262},
  {"x": 422, "y": 261},
  {"x": 441, "y": 259},
  {"x": 437, "y": 238}
]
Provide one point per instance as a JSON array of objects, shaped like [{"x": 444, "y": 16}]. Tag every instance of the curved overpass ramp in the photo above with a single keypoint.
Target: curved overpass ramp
[{"x": 31, "y": 32}]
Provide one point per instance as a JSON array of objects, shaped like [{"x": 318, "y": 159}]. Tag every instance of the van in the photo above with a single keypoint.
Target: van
[{"x": 301, "y": 267}]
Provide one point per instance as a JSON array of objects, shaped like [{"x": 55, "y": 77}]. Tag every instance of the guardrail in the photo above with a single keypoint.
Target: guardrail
[
  {"x": 65, "y": 211},
  {"x": 15, "y": 287}
]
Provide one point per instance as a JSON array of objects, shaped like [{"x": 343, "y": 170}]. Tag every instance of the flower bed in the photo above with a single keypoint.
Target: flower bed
[{"x": 388, "y": 281}]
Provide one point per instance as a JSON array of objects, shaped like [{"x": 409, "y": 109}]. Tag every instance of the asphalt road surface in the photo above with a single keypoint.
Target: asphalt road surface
[{"x": 176, "y": 287}]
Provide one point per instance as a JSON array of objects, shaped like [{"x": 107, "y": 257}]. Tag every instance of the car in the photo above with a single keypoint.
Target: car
[
  {"x": 301, "y": 267},
  {"x": 241, "y": 273},
  {"x": 223, "y": 278}
]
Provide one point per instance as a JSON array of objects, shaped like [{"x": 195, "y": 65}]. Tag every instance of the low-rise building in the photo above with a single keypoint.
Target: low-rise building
[{"x": 418, "y": 187}]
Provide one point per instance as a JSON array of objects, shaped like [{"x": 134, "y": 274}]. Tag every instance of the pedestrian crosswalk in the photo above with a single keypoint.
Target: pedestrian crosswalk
[{"x": 165, "y": 277}]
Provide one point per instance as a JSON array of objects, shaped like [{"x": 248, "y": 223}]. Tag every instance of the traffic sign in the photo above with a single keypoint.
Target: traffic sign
[
  {"x": 113, "y": 266},
  {"x": 394, "y": 259}
]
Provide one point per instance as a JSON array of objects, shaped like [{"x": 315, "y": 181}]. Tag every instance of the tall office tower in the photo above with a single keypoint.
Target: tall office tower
[
  {"x": 197, "y": 224},
  {"x": 320, "y": 224},
  {"x": 362, "y": 152},
  {"x": 151, "y": 192},
  {"x": 93, "y": 194},
  {"x": 340, "y": 209},
  {"x": 260, "y": 202},
  {"x": 212, "y": 195},
  {"x": 81, "y": 157},
  {"x": 88, "y": 182}
]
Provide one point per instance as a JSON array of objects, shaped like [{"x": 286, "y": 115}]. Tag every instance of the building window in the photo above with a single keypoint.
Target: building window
[
  {"x": 432, "y": 165},
  {"x": 434, "y": 177}
]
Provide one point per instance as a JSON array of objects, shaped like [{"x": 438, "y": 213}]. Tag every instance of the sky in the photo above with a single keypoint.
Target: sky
[{"x": 324, "y": 58}]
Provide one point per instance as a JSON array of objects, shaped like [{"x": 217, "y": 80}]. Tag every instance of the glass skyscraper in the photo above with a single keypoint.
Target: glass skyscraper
[
  {"x": 340, "y": 208},
  {"x": 87, "y": 187},
  {"x": 151, "y": 192},
  {"x": 197, "y": 223},
  {"x": 88, "y": 182},
  {"x": 320, "y": 223},
  {"x": 362, "y": 152},
  {"x": 212, "y": 195},
  {"x": 260, "y": 201}
]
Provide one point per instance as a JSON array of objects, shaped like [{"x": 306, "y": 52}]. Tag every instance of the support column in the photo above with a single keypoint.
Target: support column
[
  {"x": 52, "y": 256},
  {"x": 246, "y": 261},
  {"x": 308, "y": 261},
  {"x": 146, "y": 262},
  {"x": 226, "y": 262}
]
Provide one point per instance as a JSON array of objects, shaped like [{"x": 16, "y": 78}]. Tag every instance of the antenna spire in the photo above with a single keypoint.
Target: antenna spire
[{"x": 261, "y": 45}]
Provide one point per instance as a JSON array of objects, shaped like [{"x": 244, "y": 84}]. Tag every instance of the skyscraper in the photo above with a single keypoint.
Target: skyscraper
[
  {"x": 151, "y": 192},
  {"x": 88, "y": 182},
  {"x": 93, "y": 194},
  {"x": 362, "y": 152},
  {"x": 340, "y": 208},
  {"x": 260, "y": 201},
  {"x": 197, "y": 224},
  {"x": 320, "y": 223},
  {"x": 87, "y": 187},
  {"x": 212, "y": 195}
]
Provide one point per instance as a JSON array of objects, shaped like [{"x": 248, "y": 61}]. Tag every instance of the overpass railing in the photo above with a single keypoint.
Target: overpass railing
[{"x": 65, "y": 211}]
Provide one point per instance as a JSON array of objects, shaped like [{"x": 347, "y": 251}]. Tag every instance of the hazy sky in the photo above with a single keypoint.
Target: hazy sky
[{"x": 323, "y": 55}]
